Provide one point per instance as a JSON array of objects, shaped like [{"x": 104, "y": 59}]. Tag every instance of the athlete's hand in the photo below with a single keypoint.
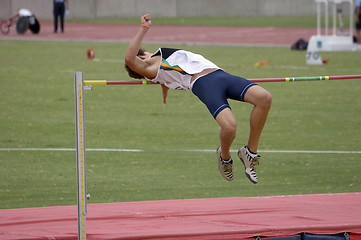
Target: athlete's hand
[
  {"x": 165, "y": 93},
  {"x": 146, "y": 20}
]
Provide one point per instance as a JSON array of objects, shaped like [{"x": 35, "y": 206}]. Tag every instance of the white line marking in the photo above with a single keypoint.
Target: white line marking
[
  {"x": 108, "y": 60},
  {"x": 184, "y": 150},
  {"x": 113, "y": 150},
  {"x": 279, "y": 151},
  {"x": 72, "y": 149},
  {"x": 305, "y": 151}
]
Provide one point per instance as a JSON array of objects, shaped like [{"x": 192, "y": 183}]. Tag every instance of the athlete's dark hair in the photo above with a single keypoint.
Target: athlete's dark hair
[{"x": 131, "y": 73}]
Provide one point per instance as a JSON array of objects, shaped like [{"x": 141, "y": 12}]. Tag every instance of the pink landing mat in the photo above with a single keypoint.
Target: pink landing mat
[{"x": 217, "y": 218}]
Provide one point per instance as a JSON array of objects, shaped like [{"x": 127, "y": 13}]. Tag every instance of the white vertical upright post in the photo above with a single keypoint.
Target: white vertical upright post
[
  {"x": 351, "y": 19},
  {"x": 334, "y": 19},
  {"x": 80, "y": 154},
  {"x": 326, "y": 18},
  {"x": 318, "y": 18}
]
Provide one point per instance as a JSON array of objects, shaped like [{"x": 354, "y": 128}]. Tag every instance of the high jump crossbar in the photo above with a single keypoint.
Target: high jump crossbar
[
  {"x": 81, "y": 85},
  {"x": 286, "y": 79}
]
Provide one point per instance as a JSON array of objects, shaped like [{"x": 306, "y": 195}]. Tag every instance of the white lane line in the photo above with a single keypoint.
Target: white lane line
[{"x": 184, "y": 150}]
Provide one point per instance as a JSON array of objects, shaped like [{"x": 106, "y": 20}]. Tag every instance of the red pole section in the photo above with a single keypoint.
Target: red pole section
[{"x": 345, "y": 77}]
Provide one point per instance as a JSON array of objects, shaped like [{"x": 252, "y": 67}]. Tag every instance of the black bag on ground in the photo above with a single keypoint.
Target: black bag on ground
[
  {"x": 22, "y": 25},
  {"x": 301, "y": 44}
]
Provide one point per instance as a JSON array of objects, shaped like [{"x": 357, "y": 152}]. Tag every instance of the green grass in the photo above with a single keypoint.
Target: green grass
[{"x": 37, "y": 111}]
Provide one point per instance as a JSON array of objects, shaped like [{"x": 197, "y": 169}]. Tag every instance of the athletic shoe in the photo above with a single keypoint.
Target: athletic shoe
[
  {"x": 250, "y": 161},
  {"x": 225, "y": 166}
]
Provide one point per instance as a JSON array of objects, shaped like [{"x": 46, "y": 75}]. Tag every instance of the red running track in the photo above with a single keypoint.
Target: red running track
[
  {"x": 253, "y": 36},
  {"x": 219, "y": 218}
]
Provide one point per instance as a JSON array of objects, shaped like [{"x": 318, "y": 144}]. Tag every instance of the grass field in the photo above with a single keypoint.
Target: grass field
[{"x": 37, "y": 111}]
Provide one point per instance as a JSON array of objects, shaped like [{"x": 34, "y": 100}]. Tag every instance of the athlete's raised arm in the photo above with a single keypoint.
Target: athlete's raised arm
[{"x": 131, "y": 59}]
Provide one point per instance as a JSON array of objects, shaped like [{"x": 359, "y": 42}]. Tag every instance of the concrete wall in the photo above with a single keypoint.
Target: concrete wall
[{"x": 90, "y": 9}]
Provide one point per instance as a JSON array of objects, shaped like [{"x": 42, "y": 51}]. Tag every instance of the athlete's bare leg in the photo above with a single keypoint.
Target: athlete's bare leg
[
  {"x": 228, "y": 131},
  {"x": 261, "y": 99}
]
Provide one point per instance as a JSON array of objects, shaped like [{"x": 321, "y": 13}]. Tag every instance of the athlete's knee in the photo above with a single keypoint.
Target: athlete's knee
[
  {"x": 266, "y": 100},
  {"x": 227, "y": 122},
  {"x": 263, "y": 99},
  {"x": 229, "y": 128}
]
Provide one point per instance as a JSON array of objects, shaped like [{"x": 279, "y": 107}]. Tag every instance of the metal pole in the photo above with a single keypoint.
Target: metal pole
[{"x": 80, "y": 154}]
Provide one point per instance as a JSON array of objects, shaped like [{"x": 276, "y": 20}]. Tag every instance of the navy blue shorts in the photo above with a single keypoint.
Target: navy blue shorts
[{"x": 216, "y": 87}]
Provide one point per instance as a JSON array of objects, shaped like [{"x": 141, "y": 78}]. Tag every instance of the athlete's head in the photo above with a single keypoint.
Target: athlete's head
[{"x": 141, "y": 54}]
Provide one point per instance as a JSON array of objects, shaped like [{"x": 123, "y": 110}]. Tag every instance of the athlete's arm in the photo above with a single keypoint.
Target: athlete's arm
[
  {"x": 131, "y": 59},
  {"x": 17, "y": 14}
]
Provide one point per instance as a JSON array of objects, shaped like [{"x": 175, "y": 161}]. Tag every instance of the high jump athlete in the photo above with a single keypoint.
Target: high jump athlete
[{"x": 180, "y": 69}]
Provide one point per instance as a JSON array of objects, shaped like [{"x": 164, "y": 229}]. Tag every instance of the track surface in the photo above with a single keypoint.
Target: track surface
[{"x": 253, "y": 36}]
